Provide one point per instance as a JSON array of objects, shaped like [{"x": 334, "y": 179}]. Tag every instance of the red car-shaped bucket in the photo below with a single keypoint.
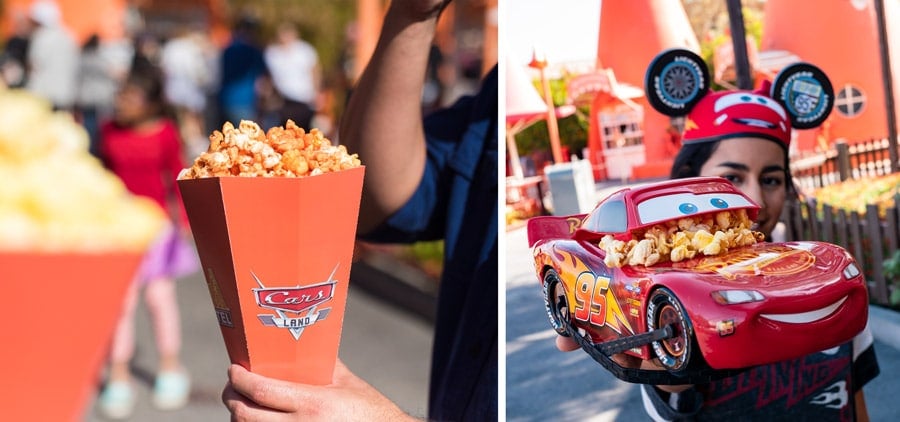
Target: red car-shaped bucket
[{"x": 702, "y": 317}]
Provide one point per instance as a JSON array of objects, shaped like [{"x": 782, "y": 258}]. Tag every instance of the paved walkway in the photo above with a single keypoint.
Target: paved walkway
[{"x": 383, "y": 343}]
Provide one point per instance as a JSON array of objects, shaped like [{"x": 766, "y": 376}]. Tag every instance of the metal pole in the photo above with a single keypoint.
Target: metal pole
[
  {"x": 552, "y": 126},
  {"x": 887, "y": 78},
  {"x": 843, "y": 159},
  {"x": 539, "y": 62},
  {"x": 739, "y": 42}
]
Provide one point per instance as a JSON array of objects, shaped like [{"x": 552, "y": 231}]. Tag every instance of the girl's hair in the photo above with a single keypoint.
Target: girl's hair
[
  {"x": 692, "y": 156},
  {"x": 149, "y": 79}
]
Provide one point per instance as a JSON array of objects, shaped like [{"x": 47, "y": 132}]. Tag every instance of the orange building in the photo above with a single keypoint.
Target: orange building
[
  {"x": 82, "y": 17},
  {"x": 842, "y": 39},
  {"x": 627, "y": 139},
  {"x": 107, "y": 18}
]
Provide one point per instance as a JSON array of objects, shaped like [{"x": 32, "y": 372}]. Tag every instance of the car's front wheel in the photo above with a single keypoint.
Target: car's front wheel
[
  {"x": 675, "y": 352},
  {"x": 555, "y": 302}
]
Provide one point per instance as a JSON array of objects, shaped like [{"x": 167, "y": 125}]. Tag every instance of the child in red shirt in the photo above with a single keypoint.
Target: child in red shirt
[{"x": 142, "y": 146}]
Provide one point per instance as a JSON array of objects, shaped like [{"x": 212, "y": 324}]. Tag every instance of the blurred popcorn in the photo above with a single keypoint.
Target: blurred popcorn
[{"x": 55, "y": 196}]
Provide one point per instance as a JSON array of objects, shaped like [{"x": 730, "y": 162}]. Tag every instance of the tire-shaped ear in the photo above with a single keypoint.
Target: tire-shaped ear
[
  {"x": 805, "y": 93},
  {"x": 676, "y": 81}
]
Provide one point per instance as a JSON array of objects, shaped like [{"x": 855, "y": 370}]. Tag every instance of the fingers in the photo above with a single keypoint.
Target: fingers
[
  {"x": 653, "y": 365},
  {"x": 627, "y": 361},
  {"x": 343, "y": 375},
  {"x": 267, "y": 392},
  {"x": 566, "y": 344},
  {"x": 244, "y": 409}
]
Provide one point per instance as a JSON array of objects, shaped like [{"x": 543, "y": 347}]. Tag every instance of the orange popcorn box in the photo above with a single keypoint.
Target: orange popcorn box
[
  {"x": 59, "y": 312},
  {"x": 276, "y": 253}
]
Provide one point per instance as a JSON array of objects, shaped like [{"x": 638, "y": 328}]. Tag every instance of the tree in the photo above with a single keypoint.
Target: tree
[
  {"x": 572, "y": 129},
  {"x": 709, "y": 20}
]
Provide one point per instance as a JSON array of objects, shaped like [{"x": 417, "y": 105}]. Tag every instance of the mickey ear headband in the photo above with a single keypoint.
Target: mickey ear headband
[{"x": 677, "y": 84}]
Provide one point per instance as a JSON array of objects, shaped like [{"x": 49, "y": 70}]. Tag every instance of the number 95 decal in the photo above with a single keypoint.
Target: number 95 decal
[{"x": 596, "y": 304}]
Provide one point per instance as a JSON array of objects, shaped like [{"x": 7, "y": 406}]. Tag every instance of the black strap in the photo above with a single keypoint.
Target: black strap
[{"x": 601, "y": 352}]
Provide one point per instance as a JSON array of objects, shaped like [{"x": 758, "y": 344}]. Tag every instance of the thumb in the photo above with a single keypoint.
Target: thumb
[{"x": 566, "y": 344}]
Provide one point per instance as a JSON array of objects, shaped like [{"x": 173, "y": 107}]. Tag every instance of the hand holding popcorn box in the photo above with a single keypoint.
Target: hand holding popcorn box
[
  {"x": 274, "y": 218},
  {"x": 71, "y": 238}
]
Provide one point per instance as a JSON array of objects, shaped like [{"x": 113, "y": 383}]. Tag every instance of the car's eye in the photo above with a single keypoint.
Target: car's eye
[
  {"x": 687, "y": 208},
  {"x": 718, "y": 203}
]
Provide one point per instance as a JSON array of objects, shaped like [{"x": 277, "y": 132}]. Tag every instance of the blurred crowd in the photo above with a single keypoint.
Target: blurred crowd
[{"x": 265, "y": 79}]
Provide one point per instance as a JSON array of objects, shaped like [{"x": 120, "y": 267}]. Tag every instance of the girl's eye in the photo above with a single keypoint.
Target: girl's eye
[
  {"x": 772, "y": 181},
  {"x": 687, "y": 208},
  {"x": 733, "y": 178},
  {"x": 718, "y": 203}
]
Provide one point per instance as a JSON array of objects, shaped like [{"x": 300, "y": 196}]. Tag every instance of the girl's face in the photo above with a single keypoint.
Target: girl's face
[
  {"x": 131, "y": 105},
  {"x": 756, "y": 167}
]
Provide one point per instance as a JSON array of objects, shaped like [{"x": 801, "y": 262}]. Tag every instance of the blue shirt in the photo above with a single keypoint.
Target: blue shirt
[
  {"x": 457, "y": 201},
  {"x": 242, "y": 64}
]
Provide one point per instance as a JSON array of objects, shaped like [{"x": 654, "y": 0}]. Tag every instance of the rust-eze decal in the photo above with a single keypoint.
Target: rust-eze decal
[
  {"x": 574, "y": 224},
  {"x": 296, "y": 308}
]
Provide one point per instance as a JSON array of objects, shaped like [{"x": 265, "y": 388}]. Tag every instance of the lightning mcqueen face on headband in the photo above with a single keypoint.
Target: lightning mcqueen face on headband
[{"x": 752, "y": 305}]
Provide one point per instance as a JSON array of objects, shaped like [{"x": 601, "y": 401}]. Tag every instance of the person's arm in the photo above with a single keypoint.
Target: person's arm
[
  {"x": 865, "y": 368},
  {"x": 383, "y": 119},
  {"x": 862, "y": 413},
  {"x": 172, "y": 164}
]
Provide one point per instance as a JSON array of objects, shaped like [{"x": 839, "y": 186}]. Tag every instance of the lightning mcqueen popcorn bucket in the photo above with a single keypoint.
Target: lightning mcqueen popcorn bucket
[{"x": 276, "y": 253}]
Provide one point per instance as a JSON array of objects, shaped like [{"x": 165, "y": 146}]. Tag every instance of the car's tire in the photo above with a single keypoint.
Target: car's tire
[
  {"x": 677, "y": 352},
  {"x": 556, "y": 303}
]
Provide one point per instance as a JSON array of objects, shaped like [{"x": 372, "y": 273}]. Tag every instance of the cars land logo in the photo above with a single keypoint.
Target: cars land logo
[{"x": 295, "y": 307}]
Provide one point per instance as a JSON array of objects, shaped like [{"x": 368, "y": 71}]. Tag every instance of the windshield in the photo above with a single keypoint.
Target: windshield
[
  {"x": 672, "y": 207},
  {"x": 609, "y": 217}
]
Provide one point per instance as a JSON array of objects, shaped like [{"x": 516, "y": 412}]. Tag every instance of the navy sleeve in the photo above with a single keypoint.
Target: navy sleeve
[
  {"x": 450, "y": 153},
  {"x": 865, "y": 368}
]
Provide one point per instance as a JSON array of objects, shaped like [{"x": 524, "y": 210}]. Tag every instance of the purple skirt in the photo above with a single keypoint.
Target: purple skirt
[{"x": 170, "y": 256}]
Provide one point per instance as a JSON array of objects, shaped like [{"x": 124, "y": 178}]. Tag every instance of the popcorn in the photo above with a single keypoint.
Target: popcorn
[
  {"x": 682, "y": 239},
  {"x": 289, "y": 151},
  {"x": 57, "y": 197}
]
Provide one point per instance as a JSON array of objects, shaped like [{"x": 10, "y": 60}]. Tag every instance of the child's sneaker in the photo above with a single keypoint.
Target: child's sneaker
[
  {"x": 117, "y": 400},
  {"x": 171, "y": 390}
]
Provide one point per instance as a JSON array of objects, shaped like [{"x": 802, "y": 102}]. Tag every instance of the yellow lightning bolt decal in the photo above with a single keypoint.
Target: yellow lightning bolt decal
[
  {"x": 614, "y": 314},
  {"x": 689, "y": 124}
]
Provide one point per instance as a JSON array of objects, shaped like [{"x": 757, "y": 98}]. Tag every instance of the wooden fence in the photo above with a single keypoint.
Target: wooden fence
[
  {"x": 870, "y": 238},
  {"x": 866, "y": 159}
]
